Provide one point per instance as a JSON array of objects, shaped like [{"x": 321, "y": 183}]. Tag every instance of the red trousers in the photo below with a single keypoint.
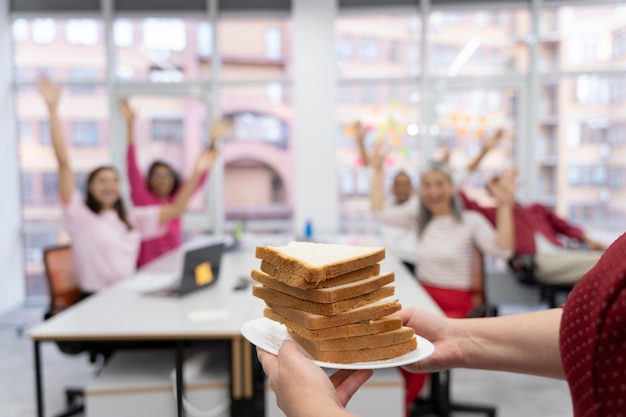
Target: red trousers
[{"x": 454, "y": 303}]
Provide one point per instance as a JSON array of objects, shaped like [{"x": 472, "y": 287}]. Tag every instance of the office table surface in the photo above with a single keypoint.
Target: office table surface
[{"x": 123, "y": 312}]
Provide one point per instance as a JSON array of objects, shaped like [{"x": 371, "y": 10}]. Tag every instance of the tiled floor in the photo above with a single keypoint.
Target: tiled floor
[{"x": 514, "y": 395}]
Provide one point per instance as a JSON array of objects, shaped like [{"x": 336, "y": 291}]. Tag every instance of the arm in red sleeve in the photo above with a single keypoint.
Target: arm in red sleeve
[{"x": 561, "y": 226}]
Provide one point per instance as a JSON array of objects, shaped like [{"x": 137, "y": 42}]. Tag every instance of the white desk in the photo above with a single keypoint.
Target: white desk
[{"x": 123, "y": 313}]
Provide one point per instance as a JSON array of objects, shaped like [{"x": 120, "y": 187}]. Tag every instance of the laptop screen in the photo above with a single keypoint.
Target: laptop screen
[{"x": 201, "y": 267}]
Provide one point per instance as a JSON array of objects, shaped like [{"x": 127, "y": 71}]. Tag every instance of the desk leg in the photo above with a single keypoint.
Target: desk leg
[
  {"x": 179, "y": 379},
  {"x": 38, "y": 382}
]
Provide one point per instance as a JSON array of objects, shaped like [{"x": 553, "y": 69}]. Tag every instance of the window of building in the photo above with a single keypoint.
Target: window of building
[
  {"x": 369, "y": 94},
  {"x": 394, "y": 51},
  {"x": 50, "y": 187},
  {"x": 274, "y": 92},
  {"x": 85, "y": 77},
  {"x": 85, "y": 134},
  {"x": 273, "y": 43},
  {"x": 164, "y": 34},
  {"x": 619, "y": 44},
  {"x": 123, "y": 33},
  {"x": 167, "y": 130},
  {"x": 250, "y": 126},
  {"x": 27, "y": 187},
  {"x": 368, "y": 49},
  {"x": 344, "y": 49},
  {"x": 81, "y": 32},
  {"x": 44, "y": 133},
  {"x": 25, "y": 132},
  {"x": 204, "y": 37},
  {"x": 592, "y": 90},
  {"x": 44, "y": 31},
  {"x": 20, "y": 30}
]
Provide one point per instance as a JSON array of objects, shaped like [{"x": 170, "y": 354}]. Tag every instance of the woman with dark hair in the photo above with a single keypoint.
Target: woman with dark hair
[
  {"x": 161, "y": 186},
  {"x": 447, "y": 236},
  {"x": 105, "y": 236}
]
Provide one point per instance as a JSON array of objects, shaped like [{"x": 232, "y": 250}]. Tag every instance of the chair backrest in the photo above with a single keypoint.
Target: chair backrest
[{"x": 62, "y": 278}]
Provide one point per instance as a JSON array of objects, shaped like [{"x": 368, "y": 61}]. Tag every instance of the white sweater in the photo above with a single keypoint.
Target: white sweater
[{"x": 444, "y": 253}]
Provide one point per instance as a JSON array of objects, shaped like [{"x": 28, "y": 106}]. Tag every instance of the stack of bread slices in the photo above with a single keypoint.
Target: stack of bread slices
[{"x": 333, "y": 300}]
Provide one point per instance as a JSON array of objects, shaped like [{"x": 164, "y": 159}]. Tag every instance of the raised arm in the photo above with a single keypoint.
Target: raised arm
[
  {"x": 524, "y": 343},
  {"x": 174, "y": 210},
  {"x": 51, "y": 94},
  {"x": 377, "y": 188},
  {"x": 503, "y": 190},
  {"x": 488, "y": 144},
  {"x": 139, "y": 192}
]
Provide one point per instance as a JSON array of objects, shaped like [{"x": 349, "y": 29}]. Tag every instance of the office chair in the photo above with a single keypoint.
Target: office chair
[
  {"x": 64, "y": 292},
  {"x": 523, "y": 268},
  {"x": 438, "y": 401}
]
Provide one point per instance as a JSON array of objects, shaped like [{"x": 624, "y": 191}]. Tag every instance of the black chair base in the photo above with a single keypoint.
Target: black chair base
[
  {"x": 74, "y": 399},
  {"x": 438, "y": 402}
]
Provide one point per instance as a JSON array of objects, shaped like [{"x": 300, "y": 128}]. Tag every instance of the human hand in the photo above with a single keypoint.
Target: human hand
[
  {"x": 127, "y": 111},
  {"x": 359, "y": 130},
  {"x": 205, "y": 161},
  {"x": 492, "y": 141},
  {"x": 215, "y": 133},
  {"x": 438, "y": 330},
  {"x": 379, "y": 154},
  {"x": 593, "y": 245},
  {"x": 445, "y": 156},
  {"x": 503, "y": 187},
  {"x": 50, "y": 92},
  {"x": 301, "y": 386}
]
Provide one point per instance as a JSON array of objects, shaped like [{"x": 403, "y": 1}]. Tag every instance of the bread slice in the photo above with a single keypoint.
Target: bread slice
[
  {"x": 325, "y": 295},
  {"x": 317, "y": 262},
  {"x": 361, "y": 328},
  {"x": 312, "y": 321},
  {"x": 297, "y": 281},
  {"x": 326, "y": 309},
  {"x": 393, "y": 337},
  {"x": 357, "y": 355}
]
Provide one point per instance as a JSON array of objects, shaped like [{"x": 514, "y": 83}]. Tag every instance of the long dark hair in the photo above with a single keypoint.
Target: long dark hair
[
  {"x": 173, "y": 173},
  {"x": 95, "y": 206},
  {"x": 425, "y": 215}
]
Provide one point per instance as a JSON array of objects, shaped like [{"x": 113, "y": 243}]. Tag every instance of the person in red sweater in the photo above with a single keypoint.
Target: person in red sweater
[
  {"x": 584, "y": 343},
  {"x": 160, "y": 186}
]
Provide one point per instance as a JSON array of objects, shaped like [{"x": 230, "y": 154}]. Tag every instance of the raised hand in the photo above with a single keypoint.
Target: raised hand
[
  {"x": 205, "y": 161},
  {"x": 215, "y": 133},
  {"x": 50, "y": 92},
  {"x": 127, "y": 111},
  {"x": 492, "y": 141}
]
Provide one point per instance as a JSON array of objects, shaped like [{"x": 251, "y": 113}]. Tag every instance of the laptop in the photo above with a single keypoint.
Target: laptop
[{"x": 201, "y": 268}]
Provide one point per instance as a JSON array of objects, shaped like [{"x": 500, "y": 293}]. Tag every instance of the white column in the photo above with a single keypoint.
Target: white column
[
  {"x": 12, "y": 288},
  {"x": 315, "y": 124}
]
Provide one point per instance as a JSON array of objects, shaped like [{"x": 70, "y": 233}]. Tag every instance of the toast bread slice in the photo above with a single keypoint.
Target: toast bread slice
[
  {"x": 325, "y": 295},
  {"x": 327, "y": 309},
  {"x": 317, "y": 262},
  {"x": 365, "y": 327},
  {"x": 297, "y": 281},
  {"x": 392, "y": 337},
  {"x": 313, "y": 321},
  {"x": 357, "y": 355}
]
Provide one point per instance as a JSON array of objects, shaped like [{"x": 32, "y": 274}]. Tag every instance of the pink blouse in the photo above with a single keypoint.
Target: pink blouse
[
  {"x": 141, "y": 195},
  {"x": 105, "y": 251},
  {"x": 593, "y": 337}
]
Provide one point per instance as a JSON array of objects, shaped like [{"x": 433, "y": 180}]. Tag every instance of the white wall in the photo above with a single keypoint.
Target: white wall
[
  {"x": 316, "y": 193},
  {"x": 12, "y": 290}
]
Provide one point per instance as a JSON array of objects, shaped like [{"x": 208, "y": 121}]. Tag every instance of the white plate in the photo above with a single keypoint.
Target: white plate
[{"x": 269, "y": 335}]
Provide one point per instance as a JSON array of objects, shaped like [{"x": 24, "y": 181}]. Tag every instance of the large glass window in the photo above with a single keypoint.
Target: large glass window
[
  {"x": 165, "y": 50},
  {"x": 254, "y": 48},
  {"x": 478, "y": 42}
]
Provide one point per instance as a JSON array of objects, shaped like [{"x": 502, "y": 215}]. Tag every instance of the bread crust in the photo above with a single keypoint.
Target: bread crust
[
  {"x": 325, "y": 295},
  {"x": 312, "y": 321},
  {"x": 327, "y": 309},
  {"x": 358, "y": 355},
  {"x": 384, "y": 324},
  {"x": 297, "y": 281},
  {"x": 389, "y": 338},
  {"x": 319, "y": 273}
]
